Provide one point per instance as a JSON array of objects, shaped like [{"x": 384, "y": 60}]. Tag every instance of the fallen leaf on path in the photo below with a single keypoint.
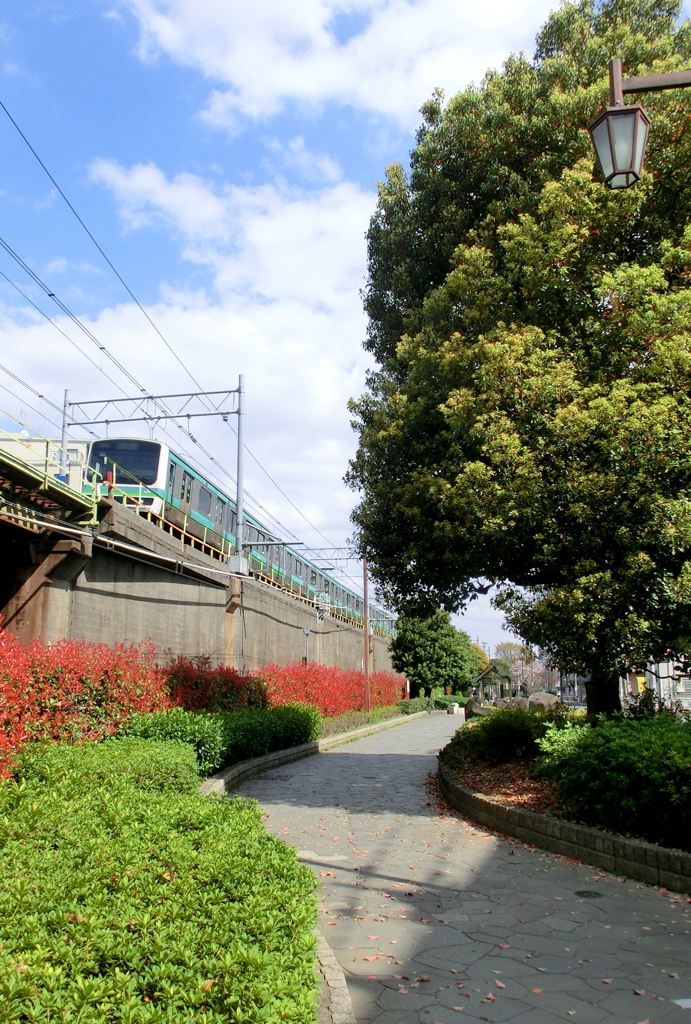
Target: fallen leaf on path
[
  {"x": 606, "y": 981},
  {"x": 537, "y": 991},
  {"x": 503, "y": 945},
  {"x": 639, "y": 991},
  {"x": 370, "y": 958},
  {"x": 373, "y": 937},
  {"x": 499, "y": 984}
]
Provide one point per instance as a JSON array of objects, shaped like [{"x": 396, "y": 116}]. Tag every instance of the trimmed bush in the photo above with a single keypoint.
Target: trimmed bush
[
  {"x": 170, "y": 766},
  {"x": 194, "y": 685},
  {"x": 630, "y": 775},
  {"x": 253, "y": 733},
  {"x": 121, "y": 904},
  {"x": 204, "y": 732},
  {"x": 506, "y": 735}
]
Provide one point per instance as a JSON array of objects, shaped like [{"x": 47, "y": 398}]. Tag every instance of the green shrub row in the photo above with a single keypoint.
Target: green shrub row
[
  {"x": 415, "y": 704},
  {"x": 356, "y": 720},
  {"x": 223, "y": 738},
  {"x": 124, "y": 901}
]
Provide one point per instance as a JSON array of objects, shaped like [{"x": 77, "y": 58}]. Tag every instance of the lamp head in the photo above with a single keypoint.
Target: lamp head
[{"x": 619, "y": 136}]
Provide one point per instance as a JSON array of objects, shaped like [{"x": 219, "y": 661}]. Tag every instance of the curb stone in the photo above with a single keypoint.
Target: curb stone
[
  {"x": 226, "y": 780},
  {"x": 634, "y": 858},
  {"x": 335, "y": 1006}
]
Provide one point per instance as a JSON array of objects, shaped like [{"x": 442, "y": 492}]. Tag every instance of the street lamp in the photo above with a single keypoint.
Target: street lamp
[{"x": 620, "y": 133}]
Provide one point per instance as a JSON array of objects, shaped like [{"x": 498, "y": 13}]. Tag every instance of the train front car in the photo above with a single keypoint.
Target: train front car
[{"x": 136, "y": 469}]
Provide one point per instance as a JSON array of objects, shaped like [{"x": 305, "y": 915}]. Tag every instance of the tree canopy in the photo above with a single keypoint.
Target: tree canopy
[
  {"x": 529, "y": 423},
  {"x": 432, "y": 652}
]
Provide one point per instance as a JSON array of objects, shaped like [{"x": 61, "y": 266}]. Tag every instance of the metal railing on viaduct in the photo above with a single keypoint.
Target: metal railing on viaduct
[{"x": 104, "y": 567}]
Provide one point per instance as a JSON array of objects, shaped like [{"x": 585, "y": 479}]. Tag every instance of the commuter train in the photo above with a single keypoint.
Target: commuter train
[{"x": 150, "y": 474}]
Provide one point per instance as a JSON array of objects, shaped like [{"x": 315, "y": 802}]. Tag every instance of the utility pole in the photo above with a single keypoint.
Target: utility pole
[
  {"x": 63, "y": 437},
  {"x": 240, "y": 493},
  {"x": 365, "y": 617}
]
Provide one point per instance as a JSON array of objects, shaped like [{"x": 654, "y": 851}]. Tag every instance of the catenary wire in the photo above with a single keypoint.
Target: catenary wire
[
  {"x": 148, "y": 318},
  {"x": 150, "y": 321},
  {"x": 103, "y": 254}
]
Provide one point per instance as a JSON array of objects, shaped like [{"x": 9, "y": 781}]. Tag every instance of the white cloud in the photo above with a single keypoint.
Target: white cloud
[
  {"x": 285, "y": 311},
  {"x": 268, "y": 52},
  {"x": 267, "y": 243}
]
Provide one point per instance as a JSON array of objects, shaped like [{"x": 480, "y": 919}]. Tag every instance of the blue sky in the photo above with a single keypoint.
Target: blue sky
[{"x": 225, "y": 155}]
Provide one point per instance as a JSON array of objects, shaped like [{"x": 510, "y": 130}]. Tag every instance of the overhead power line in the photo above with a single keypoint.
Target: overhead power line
[
  {"x": 103, "y": 254},
  {"x": 160, "y": 334}
]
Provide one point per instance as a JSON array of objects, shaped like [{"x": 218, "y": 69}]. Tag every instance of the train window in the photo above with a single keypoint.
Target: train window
[
  {"x": 313, "y": 578},
  {"x": 186, "y": 487},
  {"x": 298, "y": 568},
  {"x": 220, "y": 509},
  {"x": 135, "y": 460},
  {"x": 171, "y": 478},
  {"x": 204, "y": 503}
]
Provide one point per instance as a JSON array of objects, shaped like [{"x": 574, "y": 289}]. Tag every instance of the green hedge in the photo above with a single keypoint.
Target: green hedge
[
  {"x": 629, "y": 775},
  {"x": 415, "y": 704},
  {"x": 222, "y": 738},
  {"x": 123, "y": 904}
]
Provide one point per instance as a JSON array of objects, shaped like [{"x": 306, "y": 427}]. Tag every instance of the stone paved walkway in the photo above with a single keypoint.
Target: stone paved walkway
[{"x": 431, "y": 917}]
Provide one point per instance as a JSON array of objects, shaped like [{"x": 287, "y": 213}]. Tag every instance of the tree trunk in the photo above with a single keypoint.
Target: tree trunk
[{"x": 602, "y": 692}]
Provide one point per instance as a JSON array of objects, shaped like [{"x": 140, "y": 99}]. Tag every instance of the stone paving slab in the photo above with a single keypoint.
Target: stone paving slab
[{"x": 426, "y": 912}]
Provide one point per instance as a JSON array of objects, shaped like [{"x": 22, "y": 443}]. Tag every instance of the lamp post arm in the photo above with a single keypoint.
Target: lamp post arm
[
  {"x": 656, "y": 83},
  {"x": 620, "y": 87}
]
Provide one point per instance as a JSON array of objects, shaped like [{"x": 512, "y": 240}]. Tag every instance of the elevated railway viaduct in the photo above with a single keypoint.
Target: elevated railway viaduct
[{"x": 77, "y": 567}]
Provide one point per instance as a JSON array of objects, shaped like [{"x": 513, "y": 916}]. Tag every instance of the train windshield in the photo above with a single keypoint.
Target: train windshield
[{"x": 134, "y": 460}]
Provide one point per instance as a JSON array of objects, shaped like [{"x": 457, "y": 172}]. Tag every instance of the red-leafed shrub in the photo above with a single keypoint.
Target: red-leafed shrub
[
  {"x": 333, "y": 690},
  {"x": 194, "y": 685},
  {"x": 72, "y": 690}
]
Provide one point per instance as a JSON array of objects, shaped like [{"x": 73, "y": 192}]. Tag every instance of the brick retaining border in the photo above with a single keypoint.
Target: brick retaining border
[
  {"x": 228, "y": 779},
  {"x": 645, "y": 862},
  {"x": 335, "y": 1006}
]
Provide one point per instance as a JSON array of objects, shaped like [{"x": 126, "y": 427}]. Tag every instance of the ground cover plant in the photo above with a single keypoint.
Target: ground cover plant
[
  {"x": 223, "y": 738},
  {"x": 123, "y": 903}
]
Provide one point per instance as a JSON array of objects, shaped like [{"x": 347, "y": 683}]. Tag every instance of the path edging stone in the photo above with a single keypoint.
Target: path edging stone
[
  {"x": 645, "y": 862},
  {"x": 227, "y": 779},
  {"x": 335, "y": 1006}
]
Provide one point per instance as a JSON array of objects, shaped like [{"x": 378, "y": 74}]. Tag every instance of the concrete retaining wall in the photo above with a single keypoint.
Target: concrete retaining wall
[
  {"x": 75, "y": 588},
  {"x": 645, "y": 862}
]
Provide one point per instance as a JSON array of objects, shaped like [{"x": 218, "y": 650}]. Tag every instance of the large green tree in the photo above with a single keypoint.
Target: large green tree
[
  {"x": 529, "y": 423},
  {"x": 431, "y": 652}
]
